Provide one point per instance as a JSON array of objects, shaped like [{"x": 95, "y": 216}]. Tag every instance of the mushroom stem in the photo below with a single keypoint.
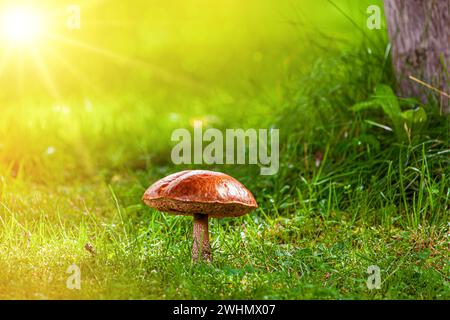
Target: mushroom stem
[{"x": 201, "y": 247}]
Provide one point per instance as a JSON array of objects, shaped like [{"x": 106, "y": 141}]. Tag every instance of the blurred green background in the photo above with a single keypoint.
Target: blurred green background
[
  {"x": 134, "y": 69},
  {"x": 179, "y": 45}
]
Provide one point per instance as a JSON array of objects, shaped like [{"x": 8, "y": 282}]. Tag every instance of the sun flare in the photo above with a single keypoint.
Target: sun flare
[
  {"x": 21, "y": 25},
  {"x": 39, "y": 40}
]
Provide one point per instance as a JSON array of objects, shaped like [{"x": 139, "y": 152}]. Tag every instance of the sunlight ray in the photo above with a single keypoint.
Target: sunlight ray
[
  {"x": 44, "y": 73},
  {"x": 66, "y": 64},
  {"x": 160, "y": 72},
  {"x": 5, "y": 59},
  {"x": 20, "y": 71}
]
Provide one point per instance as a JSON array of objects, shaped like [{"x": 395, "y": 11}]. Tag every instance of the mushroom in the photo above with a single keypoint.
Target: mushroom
[{"x": 202, "y": 194}]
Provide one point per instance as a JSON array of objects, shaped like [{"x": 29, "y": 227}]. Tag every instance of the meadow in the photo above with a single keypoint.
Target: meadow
[{"x": 85, "y": 128}]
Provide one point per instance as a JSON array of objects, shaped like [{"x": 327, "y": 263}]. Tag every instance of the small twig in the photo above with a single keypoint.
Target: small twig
[
  {"x": 90, "y": 248},
  {"x": 429, "y": 86}
]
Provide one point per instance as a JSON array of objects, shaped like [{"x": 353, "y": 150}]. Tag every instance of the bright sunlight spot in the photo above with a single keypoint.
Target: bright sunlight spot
[{"x": 21, "y": 25}]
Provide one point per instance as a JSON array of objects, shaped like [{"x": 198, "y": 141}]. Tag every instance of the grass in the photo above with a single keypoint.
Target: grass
[{"x": 349, "y": 193}]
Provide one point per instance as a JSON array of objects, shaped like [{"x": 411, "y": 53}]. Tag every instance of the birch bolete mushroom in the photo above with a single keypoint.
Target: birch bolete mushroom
[{"x": 202, "y": 194}]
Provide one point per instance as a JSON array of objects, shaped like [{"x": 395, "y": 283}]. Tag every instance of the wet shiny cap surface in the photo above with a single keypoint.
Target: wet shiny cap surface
[{"x": 200, "y": 192}]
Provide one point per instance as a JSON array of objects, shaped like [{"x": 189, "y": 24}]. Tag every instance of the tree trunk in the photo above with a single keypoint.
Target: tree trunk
[{"x": 419, "y": 31}]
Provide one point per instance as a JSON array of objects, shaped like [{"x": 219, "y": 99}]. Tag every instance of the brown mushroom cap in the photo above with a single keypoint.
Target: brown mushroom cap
[{"x": 200, "y": 192}]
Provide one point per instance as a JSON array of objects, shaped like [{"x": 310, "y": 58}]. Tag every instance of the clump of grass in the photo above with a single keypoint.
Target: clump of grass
[{"x": 356, "y": 152}]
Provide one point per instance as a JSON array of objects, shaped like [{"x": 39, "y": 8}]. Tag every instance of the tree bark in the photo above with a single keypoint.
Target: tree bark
[
  {"x": 419, "y": 31},
  {"x": 201, "y": 247}
]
